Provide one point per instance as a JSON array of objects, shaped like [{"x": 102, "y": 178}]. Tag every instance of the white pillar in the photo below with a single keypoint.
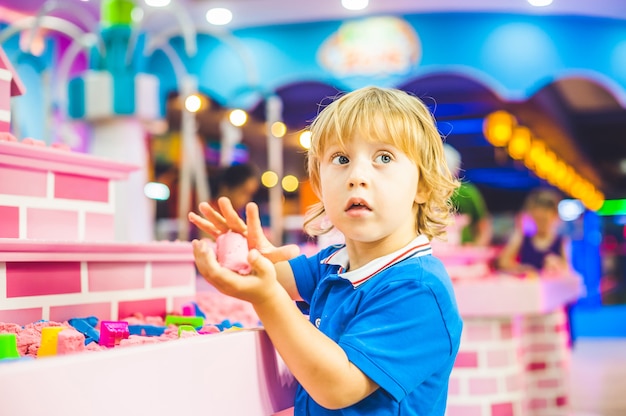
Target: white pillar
[
  {"x": 274, "y": 111},
  {"x": 188, "y": 86},
  {"x": 124, "y": 139}
]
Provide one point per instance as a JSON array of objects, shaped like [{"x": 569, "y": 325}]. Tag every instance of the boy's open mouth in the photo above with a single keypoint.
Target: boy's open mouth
[{"x": 357, "y": 204}]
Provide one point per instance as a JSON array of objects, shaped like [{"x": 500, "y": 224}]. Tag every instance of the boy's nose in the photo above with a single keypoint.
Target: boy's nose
[
  {"x": 356, "y": 182},
  {"x": 358, "y": 176}
]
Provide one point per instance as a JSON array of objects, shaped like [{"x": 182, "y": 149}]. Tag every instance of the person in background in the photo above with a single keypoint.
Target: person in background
[
  {"x": 383, "y": 329},
  {"x": 238, "y": 183},
  {"x": 468, "y": 201},
  {"x": 536, "y": 244}
]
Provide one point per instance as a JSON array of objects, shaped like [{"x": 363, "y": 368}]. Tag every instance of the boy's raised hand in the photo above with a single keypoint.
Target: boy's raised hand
[
  {"x": 255, "y": 288},
  {"x": 215, "y": 223}
]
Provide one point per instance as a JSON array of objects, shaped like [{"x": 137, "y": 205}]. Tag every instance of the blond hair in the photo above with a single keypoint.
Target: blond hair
[{"x": 390, "y": 116}]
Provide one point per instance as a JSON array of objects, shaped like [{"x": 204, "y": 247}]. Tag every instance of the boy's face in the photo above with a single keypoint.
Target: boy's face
[{"x": 369, "y": 191}]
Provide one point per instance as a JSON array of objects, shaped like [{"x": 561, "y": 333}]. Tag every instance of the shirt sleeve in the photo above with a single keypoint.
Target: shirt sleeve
[
  {"x": 308, "y": 271},
  {"x": 401, "y": 337}
]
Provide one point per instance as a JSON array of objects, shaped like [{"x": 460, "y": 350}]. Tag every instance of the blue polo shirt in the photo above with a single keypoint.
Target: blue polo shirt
[{"x": 397, "y": 320}]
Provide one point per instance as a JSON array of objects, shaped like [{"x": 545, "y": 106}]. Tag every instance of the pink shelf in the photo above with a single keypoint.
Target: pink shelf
[
  {"x": 63, "y": 161},
  {"x": 15, "y": 250},
  {"x": 503, "y": 295}
]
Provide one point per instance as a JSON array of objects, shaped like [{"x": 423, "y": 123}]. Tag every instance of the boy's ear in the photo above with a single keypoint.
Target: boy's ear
[{"x": 422, "y": 194}]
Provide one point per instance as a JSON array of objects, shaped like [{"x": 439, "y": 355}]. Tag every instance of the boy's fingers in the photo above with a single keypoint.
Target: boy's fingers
[
  {"x": 212, "y": 216},
  {"x": 231, "y": 217},
  {"x": 203, "y": 224},
  {"x": 204, "y": 256},
  {"x": 283, "y": 253},
  {"x": 255, "y": 229},
  {"x": 224, "y": 280},
  {"x": 259, "y": 263}
]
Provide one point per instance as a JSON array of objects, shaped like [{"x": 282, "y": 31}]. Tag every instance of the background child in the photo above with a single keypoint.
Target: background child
[
  {"x": 536, "y": 245},
  {"x": 468, "y": 201},
  {"x": 383, "y": 329}
]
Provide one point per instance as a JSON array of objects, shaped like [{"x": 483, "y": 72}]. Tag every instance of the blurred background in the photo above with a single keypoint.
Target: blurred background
[{"x": 530, "y": 93}]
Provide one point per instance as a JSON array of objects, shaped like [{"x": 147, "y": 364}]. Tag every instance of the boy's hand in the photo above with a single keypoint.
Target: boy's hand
[
  {"x": 215, "y": 223},
  {"x": 255, "y": 288}
]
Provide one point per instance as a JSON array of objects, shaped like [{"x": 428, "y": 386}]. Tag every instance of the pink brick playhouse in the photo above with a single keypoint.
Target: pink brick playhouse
[
  {"x": 514, "y": 353},
  {"x": 58, "y": 261}
]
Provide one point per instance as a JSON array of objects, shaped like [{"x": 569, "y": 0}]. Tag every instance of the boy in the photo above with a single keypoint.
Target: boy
[{"x": 383, "y": 329}]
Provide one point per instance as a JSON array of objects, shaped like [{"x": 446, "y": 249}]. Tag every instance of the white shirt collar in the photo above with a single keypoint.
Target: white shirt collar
[{"x": 420, "y": 246}]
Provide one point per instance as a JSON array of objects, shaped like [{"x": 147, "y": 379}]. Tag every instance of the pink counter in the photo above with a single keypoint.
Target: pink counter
[
  {"x": 514, "y": 354},
  {"x": 232, "y": 373}
]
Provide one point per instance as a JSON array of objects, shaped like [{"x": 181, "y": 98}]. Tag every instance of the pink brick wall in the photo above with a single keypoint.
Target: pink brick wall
[
  {"x": 151, "y": 307},
  {"x": 486, "y": 380},
  {"x": 34, "y": 279},
  {"x": 483, "y": 385},
  {"x": 5, "y": 92},
  {"x": 545, "y": 354},
  {"x": 502, "y": 409},
  {"x": 101, "y": 310},
  {"x": 51, "y": 224},
  {"x": 21, "y": 316},
  {"x": 99, "y": 227},
  {"x": 464, "y": 410},
  {"x": 466, "y": 359},
  {"x": 9, "y": 222},
  {"x": 172, "y": 274},
  {"x": 81, "y": 187},
  {"x": 24, "y": 182},
  {"x": 108, "y": 276},
  {"x": 500, "y": 357}
]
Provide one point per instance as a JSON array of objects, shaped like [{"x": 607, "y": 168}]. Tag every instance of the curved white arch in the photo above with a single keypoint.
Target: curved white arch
[
  {"x": 47, "y": 22},
  {"x": 228, "y": 38},
  {"x": 51, "y": 5},
  {"x": 185, "y": 24}
]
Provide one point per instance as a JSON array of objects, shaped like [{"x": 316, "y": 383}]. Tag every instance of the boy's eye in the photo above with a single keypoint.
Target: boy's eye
[
  {"x": 384, "y": 158},
  {"x": 340, "y": 159}
]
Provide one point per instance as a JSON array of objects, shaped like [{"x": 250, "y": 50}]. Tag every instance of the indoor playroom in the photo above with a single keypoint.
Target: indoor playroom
[{"x": 126, "y": 124}]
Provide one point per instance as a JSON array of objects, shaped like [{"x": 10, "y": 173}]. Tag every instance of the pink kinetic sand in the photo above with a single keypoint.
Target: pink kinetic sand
[
  {"x": 70, "y": 341},
  {"x": 232, "y": 252}
]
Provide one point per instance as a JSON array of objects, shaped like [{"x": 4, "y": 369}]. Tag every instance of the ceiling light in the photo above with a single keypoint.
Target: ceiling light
[
  {"x": 219, "y": 16},
  {"x": 540, "y": 3},
  {"x": 570, "y": 209},
  {"x": 157, "y": 3},
  {"x": 305, "y": 139},
  {"x": 354, "y": 4},
  {"x": 269, "y": 179},
  {"x": 278, "y": 129},
  {"x": 290, "y": 183},
  {"x": 238, "y": 117},
  {"x": 193, "y": 103}
]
